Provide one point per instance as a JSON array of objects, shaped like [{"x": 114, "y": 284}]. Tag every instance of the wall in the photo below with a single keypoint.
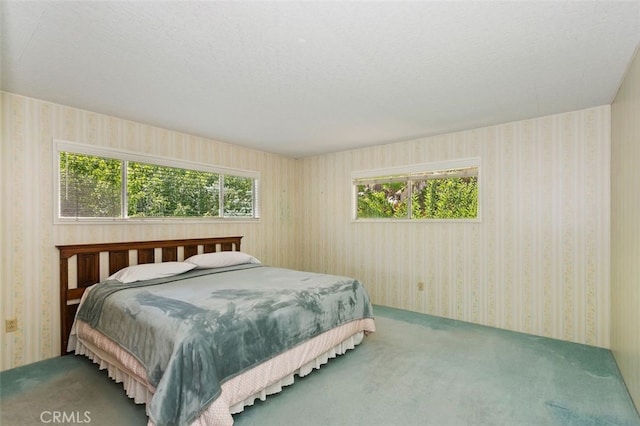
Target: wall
[
  {"x": 29, "y": 264},
  {"x": 537, "y": 263},
  {"x": 625, "y": 229}
]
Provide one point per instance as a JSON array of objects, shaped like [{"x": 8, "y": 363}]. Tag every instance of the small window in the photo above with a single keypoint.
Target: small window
[
  {"x": 98, "y": 183},
  {"x": 445, "y": 191}
]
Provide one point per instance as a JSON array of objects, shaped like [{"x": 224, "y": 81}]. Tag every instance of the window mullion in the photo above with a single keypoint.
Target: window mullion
[
  {"x": 409, "y": 198},
  {"x": 254, "y": 198},
  {"x": 124, "y": 209},
  {"x": 221, "y": 196}
]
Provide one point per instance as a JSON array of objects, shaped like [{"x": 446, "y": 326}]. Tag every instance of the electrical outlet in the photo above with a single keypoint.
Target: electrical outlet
[
  {"x": 11, "y": 325},
  {"x": 420, "y": 286}
]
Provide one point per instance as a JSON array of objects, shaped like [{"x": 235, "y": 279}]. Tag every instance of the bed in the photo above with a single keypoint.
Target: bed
[{"x": 196, "y": 329}]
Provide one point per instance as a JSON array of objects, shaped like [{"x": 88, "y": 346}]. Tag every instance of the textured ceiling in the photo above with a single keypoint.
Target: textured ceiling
[{"x": 304, "y": 78}]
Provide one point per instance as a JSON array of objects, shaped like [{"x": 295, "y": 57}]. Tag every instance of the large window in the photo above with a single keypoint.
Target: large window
[
  {"x": 446, "y": 191},
  {"x": 104, "y": 184}
]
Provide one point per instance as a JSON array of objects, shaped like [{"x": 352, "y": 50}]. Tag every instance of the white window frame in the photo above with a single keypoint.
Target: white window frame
[
  {"x": 414, "y": 169},
  {"x": 119, "y": 154}
]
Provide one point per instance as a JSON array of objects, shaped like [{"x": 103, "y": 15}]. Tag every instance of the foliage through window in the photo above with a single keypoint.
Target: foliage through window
[
  {"x": 115, "y": 185},
  {"x": 430, "y": 191}
]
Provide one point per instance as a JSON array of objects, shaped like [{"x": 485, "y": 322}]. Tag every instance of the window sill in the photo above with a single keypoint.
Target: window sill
[
  {"x": 151, "y": 221},
  {"x": 417, "y": 221}
]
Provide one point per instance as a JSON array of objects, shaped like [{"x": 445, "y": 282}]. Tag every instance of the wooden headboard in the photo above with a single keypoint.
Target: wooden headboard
[{"x": 95, "y": 262}]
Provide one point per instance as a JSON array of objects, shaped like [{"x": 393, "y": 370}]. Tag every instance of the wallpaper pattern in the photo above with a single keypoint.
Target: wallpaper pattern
[
  {"x": 625, "y": 229},
  {"x": 538, "y": 262},
  {"x": 29, "y": 264}
]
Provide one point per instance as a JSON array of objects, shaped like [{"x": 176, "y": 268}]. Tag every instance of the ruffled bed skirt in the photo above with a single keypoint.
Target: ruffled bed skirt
[{"x": 238, "y": 392}]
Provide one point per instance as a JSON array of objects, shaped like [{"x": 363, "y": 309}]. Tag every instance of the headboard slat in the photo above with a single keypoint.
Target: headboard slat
[
  {"x": 190, "y": 251},
  {"x": 88, "y": 269},
  {"x": 169, "y": 254},
  {"x": 146, "y": 255},
  {"x": 118, "y": 260},
  {"x": 88, "y": 258}
]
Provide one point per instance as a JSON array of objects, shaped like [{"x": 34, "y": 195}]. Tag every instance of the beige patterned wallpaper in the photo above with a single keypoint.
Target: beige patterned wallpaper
[
  {"x": 625, "y": 229},
  {"x": 29, "y": 268},
  {"x": 537, "y": 263}
]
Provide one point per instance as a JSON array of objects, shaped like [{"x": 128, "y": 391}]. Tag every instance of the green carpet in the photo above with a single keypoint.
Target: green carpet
[{"x": 415, "y": 370}]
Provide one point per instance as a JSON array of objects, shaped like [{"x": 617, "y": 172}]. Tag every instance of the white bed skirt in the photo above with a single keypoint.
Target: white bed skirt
[{"x": 238, "y": 392}]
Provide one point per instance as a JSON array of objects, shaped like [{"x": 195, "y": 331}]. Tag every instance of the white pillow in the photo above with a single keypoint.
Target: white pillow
[
  {"x": 149, "y": 271},
  {"x": 220, "y": 259}
]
